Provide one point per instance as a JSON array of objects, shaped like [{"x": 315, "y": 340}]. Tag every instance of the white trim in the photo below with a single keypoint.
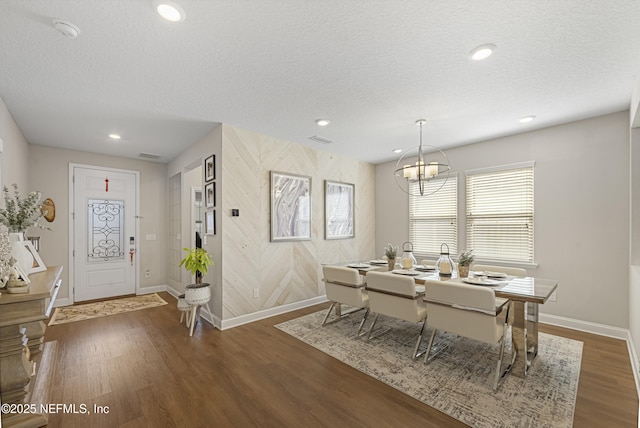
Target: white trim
[
  {"x": 151, "y": 289},
  {"x": 266, "y": 313},
  {"x": 507, "y": 167},
  {"x": 586, "y": 326},
  {"x": 71, "y": 284},
  {"x": 602, "y": 330}
]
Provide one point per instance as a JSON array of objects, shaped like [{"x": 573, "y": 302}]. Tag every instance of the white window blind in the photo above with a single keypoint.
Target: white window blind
[
  {"x": 433, "y": 219},
  {"x": 500, "y": 214}
]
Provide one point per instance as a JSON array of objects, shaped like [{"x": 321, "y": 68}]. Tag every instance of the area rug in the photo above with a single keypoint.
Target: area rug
[
  {"x": 108, "y": 307},
  {"x": 458, "y": 382}
]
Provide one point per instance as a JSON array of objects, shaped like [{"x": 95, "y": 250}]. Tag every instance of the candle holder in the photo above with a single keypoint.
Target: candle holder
[{"x": 444, "y": 265}]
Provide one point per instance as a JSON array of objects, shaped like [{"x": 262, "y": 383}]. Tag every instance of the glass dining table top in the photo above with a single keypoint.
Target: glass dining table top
[{"x": 527, "y": 289}]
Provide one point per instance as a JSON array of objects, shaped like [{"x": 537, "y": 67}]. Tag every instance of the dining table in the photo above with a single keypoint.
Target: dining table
[{"x": 524, "y": 293}]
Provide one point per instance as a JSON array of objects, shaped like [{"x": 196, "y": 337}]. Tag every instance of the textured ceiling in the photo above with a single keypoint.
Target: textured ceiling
[{"x": 274, "y": 66}]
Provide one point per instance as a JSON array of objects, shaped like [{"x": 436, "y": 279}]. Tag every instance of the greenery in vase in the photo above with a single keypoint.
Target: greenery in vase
[
  {"x": 19, "y": 212},
  {"x": 6, "y": 260},
  {"x": 391, "y": 251},
  {"x": 466, "y": 258},
  {"x": 197, "y": 260}
]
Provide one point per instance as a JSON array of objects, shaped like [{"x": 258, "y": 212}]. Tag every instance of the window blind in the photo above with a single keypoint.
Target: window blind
[
  {"x": 500, "y": 214},
  {"x": 433, "y": 219}
]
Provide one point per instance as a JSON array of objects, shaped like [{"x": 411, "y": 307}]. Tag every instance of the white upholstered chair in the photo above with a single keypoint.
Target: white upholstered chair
[
  {"x": 502, "y": 269},
  {"x": 470, "y": 311},
  {"x": 396, "y": 296},
  {"x": 345, "y": 286}
]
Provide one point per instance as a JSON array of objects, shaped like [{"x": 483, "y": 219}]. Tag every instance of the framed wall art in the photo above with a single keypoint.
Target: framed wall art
[
  {"x": 210, "y": 168},
  {"x": 210, "y": 222},
  {"x": 290, "y": 207},
  {"x": 338, "y": 210},
  {"x": 210, "y": 195}
]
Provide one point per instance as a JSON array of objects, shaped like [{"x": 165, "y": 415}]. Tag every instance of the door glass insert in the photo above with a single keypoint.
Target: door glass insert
[{"x": 105, "y": 230}]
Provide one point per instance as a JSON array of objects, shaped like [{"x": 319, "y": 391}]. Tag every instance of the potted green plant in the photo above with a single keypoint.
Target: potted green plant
[
  {"x": 391, "y": 251},
  {"x": 197, "y": 262},
  {"x": 464, "y": 262},
  {"x": 19, "y": 212}
]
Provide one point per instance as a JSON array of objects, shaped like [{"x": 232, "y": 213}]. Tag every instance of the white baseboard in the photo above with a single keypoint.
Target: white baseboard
[
  {"x": 62, "y": 302},
  {"x": 175, "y": 293},
  {"x": 602, "y": 330},
  {"x": 586, "y": 326},
  {"x": 266, "y": 313},
  {"x": 152, "y": 289}
]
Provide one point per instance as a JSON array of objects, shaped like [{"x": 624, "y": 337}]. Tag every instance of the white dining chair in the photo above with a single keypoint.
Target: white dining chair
[
  {"x": 396, "y": 296},
  {"x": 345, "y": 286},
  {"x": 502, "y": 269},
  {"x": 470, "y": 311}
]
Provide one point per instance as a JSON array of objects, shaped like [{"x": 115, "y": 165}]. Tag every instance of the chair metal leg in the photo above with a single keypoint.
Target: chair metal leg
[
  {"x": 324, "y": 322},
  {"x": 416, "y": 353},
  {"x": 500, "y": 374},
  {"x": 426, "y": 356},
  {"x": 373, "y": 324},
  {"x": 364, "y": 318}
]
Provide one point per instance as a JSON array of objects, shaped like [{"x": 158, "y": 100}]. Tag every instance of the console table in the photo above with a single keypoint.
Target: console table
[{"x": 26, "y": 362}]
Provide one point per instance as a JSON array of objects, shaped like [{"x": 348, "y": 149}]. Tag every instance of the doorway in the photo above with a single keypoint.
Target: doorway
[{"x": 103, "y": 240}]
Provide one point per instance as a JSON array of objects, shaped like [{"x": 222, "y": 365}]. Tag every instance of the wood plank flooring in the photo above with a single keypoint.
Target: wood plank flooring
[{"x": 148, "y": 372}]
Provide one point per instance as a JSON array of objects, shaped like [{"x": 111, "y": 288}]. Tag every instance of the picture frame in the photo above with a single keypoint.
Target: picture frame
[
  {"x": 210, "y": 168},
  {"x": 38, "y": 265},
  {"x": 339, "y": 218},
  {"x": 210, "y": 222},
  {"x": 210, "y": 195},
  {"x": 290, "y": 207}
]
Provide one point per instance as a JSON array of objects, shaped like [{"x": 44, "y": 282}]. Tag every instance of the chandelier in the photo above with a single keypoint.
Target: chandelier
[{"x": 416, "y": 178}]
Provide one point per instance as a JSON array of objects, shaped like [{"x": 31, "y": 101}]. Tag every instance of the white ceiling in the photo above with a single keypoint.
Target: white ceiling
[{"x": 274, "y": 66}]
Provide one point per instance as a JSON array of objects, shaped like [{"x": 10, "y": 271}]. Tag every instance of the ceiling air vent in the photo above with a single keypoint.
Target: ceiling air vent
[
  {"x": 149, "y": 156},
  {"x": 321, "y": 140}
]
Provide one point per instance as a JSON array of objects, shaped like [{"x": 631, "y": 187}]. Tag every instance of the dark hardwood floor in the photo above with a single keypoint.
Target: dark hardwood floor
[{"x": 144, "y": 368}]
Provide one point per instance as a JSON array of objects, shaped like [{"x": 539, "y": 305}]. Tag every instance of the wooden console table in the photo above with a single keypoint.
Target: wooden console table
[{"x": 26, "y": 362}]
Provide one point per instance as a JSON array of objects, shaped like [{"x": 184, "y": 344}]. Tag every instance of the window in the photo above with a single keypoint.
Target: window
[
  {"x": 500, "y": 213},
  {"x": 433, "y": 219}
]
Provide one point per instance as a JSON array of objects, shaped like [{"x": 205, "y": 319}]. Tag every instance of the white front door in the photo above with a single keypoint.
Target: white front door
[{"x": 104, "y": 232}]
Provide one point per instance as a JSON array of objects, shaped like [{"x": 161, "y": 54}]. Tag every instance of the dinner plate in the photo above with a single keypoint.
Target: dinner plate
[
  {"x": 495, "y": 274},
  {"x": 378, "y": 262},
  {"x": 481, "y": 281},
  {"x": 405, "y": 272},
  {"x": 358, "y": 265}
]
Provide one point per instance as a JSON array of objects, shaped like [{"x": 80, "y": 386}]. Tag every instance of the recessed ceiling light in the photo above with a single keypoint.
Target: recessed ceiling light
[
  {"x": 169, "y": 10},
  {"x": 482, "y": 52},
  {"x": 397, "y": 150},
  {"x": 66, "y": 28},
  {"x": 322, "y": 122},
  {"x": 114, "y": 136},
  {"x": 526, "y": 119}
]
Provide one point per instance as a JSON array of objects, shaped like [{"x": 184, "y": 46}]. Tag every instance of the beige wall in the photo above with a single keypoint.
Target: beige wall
[
  {"x": 15, "y": 155},
  {"x": 195, "y": 155},
  {"x": 49, "y": 173},
  {"x": 282, "y": 272},
  {"x": 581, "y": 216}
]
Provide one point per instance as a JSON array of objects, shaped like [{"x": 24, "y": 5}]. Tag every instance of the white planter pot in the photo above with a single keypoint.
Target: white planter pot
[{"x": 197, "y": 294}]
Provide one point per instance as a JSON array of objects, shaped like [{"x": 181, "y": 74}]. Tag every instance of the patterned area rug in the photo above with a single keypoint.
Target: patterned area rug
[
  {"x": 102, "y": 309},
  {"x": 458, "y": 381}
]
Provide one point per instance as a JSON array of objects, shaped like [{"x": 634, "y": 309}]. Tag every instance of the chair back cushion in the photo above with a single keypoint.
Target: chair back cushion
[
  {"x": 395, "y": 296},
  {"x": 345, "y": 285},
  {"x": 503, "y": 269},
  {"x": 466, "y": 310}
]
